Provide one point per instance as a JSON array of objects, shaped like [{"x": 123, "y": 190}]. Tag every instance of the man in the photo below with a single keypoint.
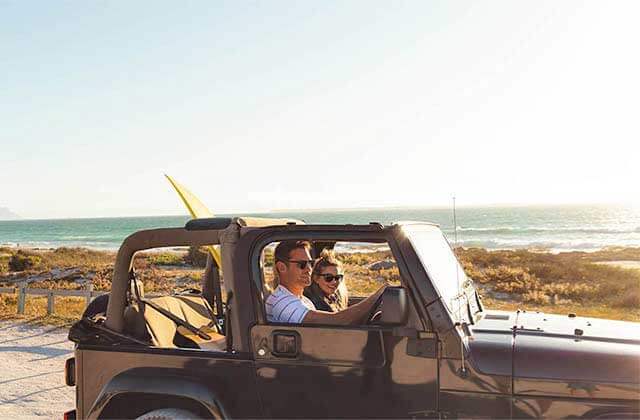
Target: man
[{"x": 292, "y": 267}]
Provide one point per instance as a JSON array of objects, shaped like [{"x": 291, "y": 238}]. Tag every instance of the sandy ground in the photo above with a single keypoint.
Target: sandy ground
[
  {"x": 32, "y": 372},
  {"x": 623, "y": 264}
]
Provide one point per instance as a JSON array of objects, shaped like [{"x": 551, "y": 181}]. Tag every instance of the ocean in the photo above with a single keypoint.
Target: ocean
[{"x": 553, "y": 228}]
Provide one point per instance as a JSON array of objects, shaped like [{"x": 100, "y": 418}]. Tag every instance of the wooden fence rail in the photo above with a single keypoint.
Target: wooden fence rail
[{"x": 22, "y": 290}]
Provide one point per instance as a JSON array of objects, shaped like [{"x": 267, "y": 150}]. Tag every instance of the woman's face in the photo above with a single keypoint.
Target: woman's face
[{"x": 328, "y": 286}]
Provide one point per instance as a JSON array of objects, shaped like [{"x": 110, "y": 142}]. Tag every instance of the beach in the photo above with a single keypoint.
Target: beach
[{"x": 32, "y": 365}]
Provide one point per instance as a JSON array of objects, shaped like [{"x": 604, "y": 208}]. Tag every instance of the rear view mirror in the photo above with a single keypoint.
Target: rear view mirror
[{"x": 393, "y": 306}]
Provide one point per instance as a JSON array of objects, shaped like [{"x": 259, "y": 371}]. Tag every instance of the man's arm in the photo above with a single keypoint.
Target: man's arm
[{"x": 353, "y": 315}]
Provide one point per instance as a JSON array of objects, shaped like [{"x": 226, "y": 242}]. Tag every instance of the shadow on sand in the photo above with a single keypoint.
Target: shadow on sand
[
  {"x": 49, "y": 352},
  {"x": 57, "y": 372}
]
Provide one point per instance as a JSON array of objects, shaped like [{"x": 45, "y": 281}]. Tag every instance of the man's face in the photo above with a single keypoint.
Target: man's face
[{"x": 292, "y": 273}]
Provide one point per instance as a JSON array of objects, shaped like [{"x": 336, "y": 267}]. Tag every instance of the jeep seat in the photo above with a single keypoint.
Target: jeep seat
[{"x": 159, "y": 330}]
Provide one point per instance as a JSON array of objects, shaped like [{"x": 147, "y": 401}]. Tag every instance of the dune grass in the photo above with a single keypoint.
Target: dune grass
[
  {"x": 67, "y": 309},
  {"x": 555, "y": 283},
  {"x": 572, "y": 278}
]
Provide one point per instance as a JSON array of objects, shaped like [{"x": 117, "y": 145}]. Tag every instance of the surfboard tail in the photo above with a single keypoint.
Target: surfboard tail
[{"x": 197, "y": 210}]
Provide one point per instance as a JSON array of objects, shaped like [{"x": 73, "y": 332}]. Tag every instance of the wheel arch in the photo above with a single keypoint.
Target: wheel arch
[{"x": 137, "y": 391}]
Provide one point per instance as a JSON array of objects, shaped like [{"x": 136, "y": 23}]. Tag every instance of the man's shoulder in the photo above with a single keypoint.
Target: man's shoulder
[
  {"x": 278, "y": 291},
  {"x": 278, "y": 295}
]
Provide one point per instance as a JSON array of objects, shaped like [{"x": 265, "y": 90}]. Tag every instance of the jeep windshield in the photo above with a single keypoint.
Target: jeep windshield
[{"x": 444, "y": 270}]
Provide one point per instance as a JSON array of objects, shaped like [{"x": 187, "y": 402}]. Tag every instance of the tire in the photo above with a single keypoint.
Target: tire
[{"x": 168, "y": 414}]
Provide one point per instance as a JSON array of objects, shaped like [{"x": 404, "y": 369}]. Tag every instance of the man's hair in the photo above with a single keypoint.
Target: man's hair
[
  {"x": 327, "y": 259},
  {"x": 284, "y": 248},
  {"x": 282, "y": 253}
]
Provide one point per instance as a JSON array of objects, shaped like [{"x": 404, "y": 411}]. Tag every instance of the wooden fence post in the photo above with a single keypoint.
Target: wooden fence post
[
  {"x": 21, "y": 297},
  {"x": 51, "y": 301},
  {"x": 90, "y": 291}
]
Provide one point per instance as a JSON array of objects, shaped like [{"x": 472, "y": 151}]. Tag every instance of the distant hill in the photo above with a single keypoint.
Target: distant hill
[{"x": 6, "y": 214}]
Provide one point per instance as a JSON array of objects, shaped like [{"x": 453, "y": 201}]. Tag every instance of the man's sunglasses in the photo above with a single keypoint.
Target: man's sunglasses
[
  {"x": 330, "y": 277},
  {"x": 302, "y": 264}
]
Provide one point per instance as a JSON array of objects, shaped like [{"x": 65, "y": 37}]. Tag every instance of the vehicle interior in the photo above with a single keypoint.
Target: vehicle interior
[
  {"x": 193, "y": 317},
  {"x": 184, "y": 308},
  {"x": 366, "y": 266},
  {"x": 191, "y": 314}
]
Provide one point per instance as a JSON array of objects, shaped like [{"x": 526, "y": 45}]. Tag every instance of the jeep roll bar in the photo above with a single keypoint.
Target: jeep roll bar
[
  {"x": 140, "y": 241},
  {"x": 208, "y": 231}
]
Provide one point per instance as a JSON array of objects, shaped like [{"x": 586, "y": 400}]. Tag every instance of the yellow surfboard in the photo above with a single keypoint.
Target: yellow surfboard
[{"x": 197, "y": 210}]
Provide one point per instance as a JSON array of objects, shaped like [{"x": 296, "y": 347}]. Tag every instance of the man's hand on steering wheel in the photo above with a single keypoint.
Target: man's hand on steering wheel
[{"x": 376, "y": 300}]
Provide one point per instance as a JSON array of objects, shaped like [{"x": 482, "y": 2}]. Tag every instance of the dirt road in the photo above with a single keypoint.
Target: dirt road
[{"x": 32, "y": 371}]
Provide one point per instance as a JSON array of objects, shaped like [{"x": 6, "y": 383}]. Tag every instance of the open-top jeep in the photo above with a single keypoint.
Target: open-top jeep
[{"x": 428, "y": 349}]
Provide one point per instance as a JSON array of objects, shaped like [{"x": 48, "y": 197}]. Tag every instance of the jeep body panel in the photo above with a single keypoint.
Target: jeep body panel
[
  {"x": 213, "y": 379},
  {"x": 343, "y": 372},
  {"x": 129, "y": 390}
]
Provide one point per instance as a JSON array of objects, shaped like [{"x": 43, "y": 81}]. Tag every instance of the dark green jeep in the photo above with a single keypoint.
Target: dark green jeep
[{"x": 427, "y": 349}]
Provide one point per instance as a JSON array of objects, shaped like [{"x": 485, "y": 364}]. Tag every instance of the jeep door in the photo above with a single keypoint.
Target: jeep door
[
  {"x": 305, "y": 371},
  {"x": 339, "y": 371}
]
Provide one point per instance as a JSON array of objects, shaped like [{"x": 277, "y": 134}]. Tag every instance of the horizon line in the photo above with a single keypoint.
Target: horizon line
[{"x": 345, "y": 209}]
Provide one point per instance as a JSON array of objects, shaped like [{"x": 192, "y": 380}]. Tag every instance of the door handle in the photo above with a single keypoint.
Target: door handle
[{"x": 285, "y": 343}]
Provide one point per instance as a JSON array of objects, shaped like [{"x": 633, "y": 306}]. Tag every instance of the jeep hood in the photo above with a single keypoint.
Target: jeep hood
[
  {"x": 561, "y": 347},
  {"x": 536, "y": 345}
]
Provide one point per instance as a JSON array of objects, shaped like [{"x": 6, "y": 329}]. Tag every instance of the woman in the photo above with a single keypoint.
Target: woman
[{"x": 327, "y": 290}]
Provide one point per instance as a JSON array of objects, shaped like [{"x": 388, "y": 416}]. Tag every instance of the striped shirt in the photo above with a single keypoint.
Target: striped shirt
[{"x": 284, "y": 306}]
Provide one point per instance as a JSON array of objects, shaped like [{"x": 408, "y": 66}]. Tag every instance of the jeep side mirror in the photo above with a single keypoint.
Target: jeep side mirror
[{"x": 393, "y": 306}]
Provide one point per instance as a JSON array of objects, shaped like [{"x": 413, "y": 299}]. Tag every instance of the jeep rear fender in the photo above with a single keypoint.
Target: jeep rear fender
[{"x": 166, "y": 384}]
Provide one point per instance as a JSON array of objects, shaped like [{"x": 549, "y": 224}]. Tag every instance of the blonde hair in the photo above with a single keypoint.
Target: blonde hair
[{"x": 327, "y": 259}]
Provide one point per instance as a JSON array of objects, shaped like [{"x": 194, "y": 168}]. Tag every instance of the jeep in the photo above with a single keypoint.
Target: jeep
[{"x": 429, "y": 348}]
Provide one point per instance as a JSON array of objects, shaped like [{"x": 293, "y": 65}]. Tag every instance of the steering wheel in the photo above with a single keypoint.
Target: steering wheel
[
  {"x": 375, "y": 313},
  {"x": 373, "y": 319}
]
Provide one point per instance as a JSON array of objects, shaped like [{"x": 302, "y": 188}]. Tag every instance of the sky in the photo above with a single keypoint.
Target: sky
[{"x": 257, "y": 106}]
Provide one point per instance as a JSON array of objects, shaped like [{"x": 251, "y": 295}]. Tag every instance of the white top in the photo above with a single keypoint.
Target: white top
[{"x": 284, "y": 306}]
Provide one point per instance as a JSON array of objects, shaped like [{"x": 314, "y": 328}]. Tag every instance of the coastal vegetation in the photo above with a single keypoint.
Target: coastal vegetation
[{"x": 590, "y": 284}]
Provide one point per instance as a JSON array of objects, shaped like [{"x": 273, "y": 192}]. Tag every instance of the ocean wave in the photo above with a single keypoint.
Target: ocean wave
[
  {"x": 549, "y": 245},
  {"x": 99, "y": 245},
  {"x": 525, "y": 230},
  {"x": 359, "y": 247},
  {"x": 90, "y": 237}
]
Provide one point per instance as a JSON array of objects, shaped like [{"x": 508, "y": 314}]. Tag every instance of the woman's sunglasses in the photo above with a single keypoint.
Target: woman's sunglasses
[
  {"x": 330, "y": 277},
  {"x": 302, "y": 264}
]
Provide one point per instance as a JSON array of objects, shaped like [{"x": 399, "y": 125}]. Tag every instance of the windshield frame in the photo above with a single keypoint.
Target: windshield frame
[{"x": 458, "y": 295}]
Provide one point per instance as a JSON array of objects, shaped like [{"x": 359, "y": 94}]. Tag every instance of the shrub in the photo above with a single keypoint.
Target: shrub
[
  {"x": 21, "y": 261},
  {"x": 574, "y": 291},
  {"x": 511, "y": 279},
  {"x": 4, "y": 259},
  {"x": 166, "y": 259},
  {"x": 102, "y": 279},
  {"x": 537, "y": 297},
  {"x": 197, "y": 256},
  {"x": 74, "y": 257},
  {"x": 473, "y": 272},
  {"x": 630, "y": 300}
]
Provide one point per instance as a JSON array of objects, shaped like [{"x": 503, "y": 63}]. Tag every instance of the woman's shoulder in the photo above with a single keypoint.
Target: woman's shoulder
[{"x": 317, "y": 298}]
